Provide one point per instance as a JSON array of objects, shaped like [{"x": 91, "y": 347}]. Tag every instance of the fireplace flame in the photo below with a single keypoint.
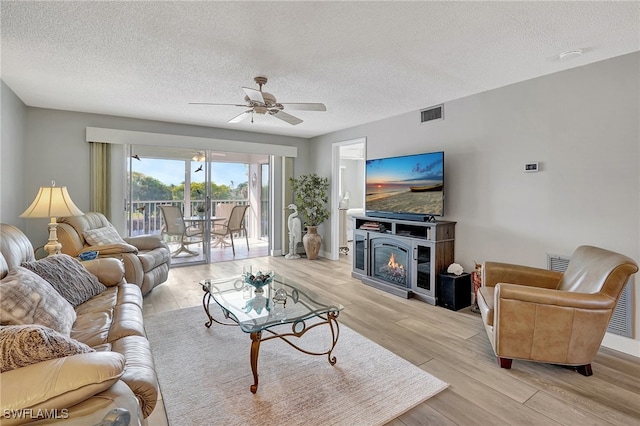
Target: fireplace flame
[{"x": 395, "y": 268}]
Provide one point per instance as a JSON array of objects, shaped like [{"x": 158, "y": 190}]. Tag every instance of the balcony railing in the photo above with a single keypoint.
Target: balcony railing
[{"x": 146, "y": 217}]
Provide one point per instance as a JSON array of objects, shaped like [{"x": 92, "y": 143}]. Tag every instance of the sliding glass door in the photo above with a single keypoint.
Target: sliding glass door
[
  {"x": 264, "y": 205},
  {"x": 185, "y": 194},
  {"x": 167, "y": 196}
]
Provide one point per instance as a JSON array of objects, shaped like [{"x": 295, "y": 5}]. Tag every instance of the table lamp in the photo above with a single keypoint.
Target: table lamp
[{"x": 52, "y": 201}]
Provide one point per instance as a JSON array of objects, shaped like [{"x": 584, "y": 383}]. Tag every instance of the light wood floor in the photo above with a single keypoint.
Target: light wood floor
[
  {"x": 452, "y": 346},
  {"x": 221, "y": 253}
]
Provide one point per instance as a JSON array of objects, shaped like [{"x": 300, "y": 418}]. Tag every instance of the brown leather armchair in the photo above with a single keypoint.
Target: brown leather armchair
[
  {"x": 146, "y": 258},
  {"x": 539, "y": 315}
]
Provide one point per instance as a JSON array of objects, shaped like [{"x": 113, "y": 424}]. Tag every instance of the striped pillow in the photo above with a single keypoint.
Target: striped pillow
[{"x": 67, "y": 275}]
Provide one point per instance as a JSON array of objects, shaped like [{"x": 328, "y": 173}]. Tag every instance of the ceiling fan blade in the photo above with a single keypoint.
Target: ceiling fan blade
[
  {"x": 238, "y": 118},
  {"x": 253, "y": 94},
  {"x": 305, "y": 106},
  {"x": 215, "y": 104},
  {"x": 287, "y": 117}
]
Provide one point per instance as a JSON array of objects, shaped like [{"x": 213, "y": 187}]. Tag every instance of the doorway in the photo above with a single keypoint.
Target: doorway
[
  {"x": 348, "y": 192},
  {"x": 203, "y": 186}
]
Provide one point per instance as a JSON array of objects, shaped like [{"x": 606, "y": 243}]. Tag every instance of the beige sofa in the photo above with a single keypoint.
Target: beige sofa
[
  {"x": 80, "y": 389},
  {"x": 146, "y": 258}
]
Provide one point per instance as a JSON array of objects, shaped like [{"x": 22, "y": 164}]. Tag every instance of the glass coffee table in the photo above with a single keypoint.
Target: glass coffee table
[{"x": 281, "y": 302}]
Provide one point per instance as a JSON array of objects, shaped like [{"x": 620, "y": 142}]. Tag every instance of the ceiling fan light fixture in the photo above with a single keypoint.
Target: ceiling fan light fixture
[
  {"x": 259, "y": 102},
  {"x": 269, "y": 99}
]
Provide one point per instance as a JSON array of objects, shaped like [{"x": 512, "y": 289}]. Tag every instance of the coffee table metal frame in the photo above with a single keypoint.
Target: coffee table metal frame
[{"x": 310, "y": 307}]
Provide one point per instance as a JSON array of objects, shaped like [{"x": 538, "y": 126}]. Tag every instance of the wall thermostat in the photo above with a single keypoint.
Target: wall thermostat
[{"x": 531, "y": 167}]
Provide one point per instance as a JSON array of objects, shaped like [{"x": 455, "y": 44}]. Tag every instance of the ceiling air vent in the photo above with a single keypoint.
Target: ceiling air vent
[{"x": 432, "y": 113}]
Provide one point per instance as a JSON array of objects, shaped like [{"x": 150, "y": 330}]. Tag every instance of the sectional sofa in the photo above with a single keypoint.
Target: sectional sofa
[{"x": 72, "y": 339}]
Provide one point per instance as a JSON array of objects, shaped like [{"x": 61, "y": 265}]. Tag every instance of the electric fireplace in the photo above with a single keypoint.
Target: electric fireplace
[
  {"x": 402, "y": 257},
  {"x": 390, "y": 259}
]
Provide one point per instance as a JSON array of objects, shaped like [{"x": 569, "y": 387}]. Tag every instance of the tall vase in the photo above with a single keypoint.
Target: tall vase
[{"x": 311, "y": 242}]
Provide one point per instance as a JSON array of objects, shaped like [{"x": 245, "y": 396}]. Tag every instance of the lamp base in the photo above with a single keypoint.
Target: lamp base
[{"x": 53, "y": 246}]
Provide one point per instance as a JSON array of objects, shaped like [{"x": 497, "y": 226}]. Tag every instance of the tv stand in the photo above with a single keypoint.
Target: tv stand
[{"x": 421, "y": 252}]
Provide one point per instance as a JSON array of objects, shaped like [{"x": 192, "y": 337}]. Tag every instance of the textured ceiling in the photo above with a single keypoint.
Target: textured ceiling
[{"x": 365, "y": 60}]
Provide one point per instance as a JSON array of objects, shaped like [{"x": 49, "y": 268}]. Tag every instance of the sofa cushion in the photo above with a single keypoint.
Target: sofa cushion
[
  {"x": 67, "y": 275},
  {"x": 28, "y": 299},
  {"x": 109, "y": 316},
  {"x": 103, "y": 236},
  {"x": 61, "y": 382},
  {"x": 22, "y": 345}
]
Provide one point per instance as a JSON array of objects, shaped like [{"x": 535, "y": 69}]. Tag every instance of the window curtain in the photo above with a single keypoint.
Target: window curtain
[{"x": 100, "y": 180}]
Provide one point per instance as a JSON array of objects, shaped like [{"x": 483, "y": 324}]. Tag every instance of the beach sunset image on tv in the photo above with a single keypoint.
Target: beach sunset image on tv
[{"x": 407, "y": 184}]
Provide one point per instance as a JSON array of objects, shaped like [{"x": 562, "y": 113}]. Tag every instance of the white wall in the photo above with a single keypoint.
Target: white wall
[
  {"x": 582, "y": 125},
  {"x": 12, "y": 199},
  {"x": 353, "y": 178}
]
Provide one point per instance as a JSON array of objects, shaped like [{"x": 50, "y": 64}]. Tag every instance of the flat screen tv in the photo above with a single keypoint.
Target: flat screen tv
[{"x": 409, "y": 187}]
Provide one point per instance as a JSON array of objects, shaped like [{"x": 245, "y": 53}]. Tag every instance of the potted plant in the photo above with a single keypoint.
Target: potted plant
[{"x": 312, "y": 197}]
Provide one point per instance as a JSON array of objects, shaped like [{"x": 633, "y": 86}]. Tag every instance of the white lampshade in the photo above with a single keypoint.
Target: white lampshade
[{"x": 52, "y": 201}]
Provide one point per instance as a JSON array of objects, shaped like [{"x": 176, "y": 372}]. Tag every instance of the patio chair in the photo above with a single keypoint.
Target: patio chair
[
  {"x": 234, "y": 224},
  {"x": 174, "y": 226}
]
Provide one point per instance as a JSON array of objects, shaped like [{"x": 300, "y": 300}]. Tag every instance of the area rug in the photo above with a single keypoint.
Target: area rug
[{"x": 205, "y": 374}]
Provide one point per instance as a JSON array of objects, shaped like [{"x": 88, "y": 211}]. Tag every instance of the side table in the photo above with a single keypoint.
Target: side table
[{"x": 454, "y": 291}]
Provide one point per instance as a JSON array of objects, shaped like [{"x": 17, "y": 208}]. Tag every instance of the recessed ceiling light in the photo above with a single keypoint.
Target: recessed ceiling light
[{"x": 570, "y": 54}]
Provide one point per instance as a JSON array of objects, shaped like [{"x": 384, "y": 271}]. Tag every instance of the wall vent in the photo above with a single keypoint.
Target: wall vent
[
  {"x": 432, "y": 113},
  {"x": 621, "y": 319}
]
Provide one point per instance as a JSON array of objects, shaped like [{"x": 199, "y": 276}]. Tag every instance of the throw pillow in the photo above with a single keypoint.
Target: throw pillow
[
  {"x": 28, "y": 299},
  {"x": 22, "y": 345},
  {"x": 67, "y": 275},
  {"x": 103, "y": 236}
]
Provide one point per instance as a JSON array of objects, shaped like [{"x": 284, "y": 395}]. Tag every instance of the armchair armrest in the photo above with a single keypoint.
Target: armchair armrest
[
  {"x": 110, "y": 249},
  {"x": 551, "y": 297},
  {"x": 496, "y": 272},
  {"x": 146, "y": 242},
  {"x": 110, "y": 271},
  {"x": 60, "y": 383},
  {"x": 548, "y": 325}
]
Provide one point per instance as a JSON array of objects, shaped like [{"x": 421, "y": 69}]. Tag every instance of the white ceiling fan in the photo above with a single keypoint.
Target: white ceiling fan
[{"x": 259, "y": 102}]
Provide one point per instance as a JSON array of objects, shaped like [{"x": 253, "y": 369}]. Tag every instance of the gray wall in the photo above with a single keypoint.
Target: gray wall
[
  {"x": 582, "y": 125},
  {"x": 56, "y": 149},
  {"x": 12, "y": 199}
]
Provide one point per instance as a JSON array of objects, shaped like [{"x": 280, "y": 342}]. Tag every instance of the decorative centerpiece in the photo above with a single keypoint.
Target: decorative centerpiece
[{"x": 259, "y": 280}]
